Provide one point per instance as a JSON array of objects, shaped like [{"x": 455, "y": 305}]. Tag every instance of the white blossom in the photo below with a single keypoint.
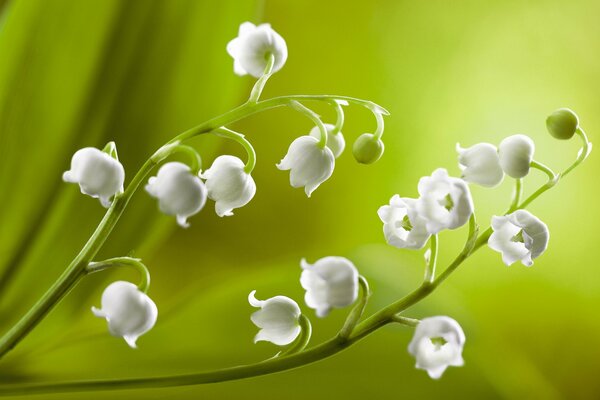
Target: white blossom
[
  {"x": 336, "y": 143},
  {"x": 129, "y": 312},
  {"x": 445, "y": 202},
  {"x": 308, "y": 163},
  {"x": 331, "y": 282},
  {"x": 480, "y": 164},
  {"x": 97, "y": 173},
  {"x": 278, "y": 319},
  {"x": 516, "y": 154},
  {"x": 178, "y": 191},
  {"x": 437, "y": 344},
  {"x": 402, "y": 225},
  {"x": 519, "y": 236},
  {"x": 253, "y": 46},
  {"x": 228, "y": 184}
]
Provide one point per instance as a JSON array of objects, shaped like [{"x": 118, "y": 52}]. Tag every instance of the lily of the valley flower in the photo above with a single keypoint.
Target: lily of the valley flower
[
  {"x": 402, "y": 225},
  {"x": 336, "y": 143},
  {"x": 480, "y": 164},
  {"x": 129, "y": 312},
  {"x": 437, "y": 344},
  {"x": 252, "y": 48},
  {"x": 516, "y": 154},
  {"x": 519, "y": 236},
  {"x": 308, "y": 163},
  {"x": 331, "y": 282},
  {"x": 228, "y": 184},
  {"x": 445, "y": 202},
  {"x": 98, "y": 174},
  {"x": 178, "y": 191},
  {"x": 278, "y": 319}
]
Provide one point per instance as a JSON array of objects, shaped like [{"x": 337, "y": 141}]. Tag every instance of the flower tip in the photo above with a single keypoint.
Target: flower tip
[
  {"x": 182, "y": 221},
  {"x": 131, "y": 341}
]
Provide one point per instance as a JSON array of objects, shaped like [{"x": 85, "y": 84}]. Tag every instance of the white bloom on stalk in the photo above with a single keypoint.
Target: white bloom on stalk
[
  {"x": 437, "y": 344},
  {"x": 331, "y": 282},
  {"x": 308, "y": 163},
  {"x": 402, "y": 225},
  {"x": 97, "y": 173},
  {"x": 480, "y": 164},
  {"x": 278, "y": 319},
  {"x": 129, "y": 312},
  {"x": 228, "y": 184},
  {"x": 178, "y": 191},
  {"x": 336, "y": 143},
  {"x": 519, "y": 236},
  {"x": 252, "y": 48},
  {"x": 445, "y": 202},
  {"x": 516, "y": 154}
]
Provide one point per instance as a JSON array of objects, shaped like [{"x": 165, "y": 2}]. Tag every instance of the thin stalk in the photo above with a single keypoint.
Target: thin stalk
[
  {"x": 239, "y": 138},
  {"x": 313, "y": 117},
  {"x": 130, "y": 262},
  {"x": 432, "y": 262}
]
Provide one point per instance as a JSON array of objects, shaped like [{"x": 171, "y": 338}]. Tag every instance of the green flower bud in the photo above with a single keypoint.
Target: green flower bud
[
  {"x": 367, "y": 149},
  {"x": 562, "y": 123}
]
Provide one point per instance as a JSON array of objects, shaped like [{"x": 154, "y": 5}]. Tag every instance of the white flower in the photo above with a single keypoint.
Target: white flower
[
  {"x": 228, "y": 184},
  {"x": 97, "y": 173},
  {"x": 308, "y": 163},
  {"x": 519, "y": 236},
  {"x": 331, "y": 282},
  {"x": 480, "y": 164},
  {"x": 516, "y": 154},
  {"x": 437, "y": 344},
  {"x": 445, "y": 202},
  {"x": 402, "y": 225},
  {"x": 252, "y": 48},
  {"x": 178, "y": 191},
  {"x": 129, "y": 312},
  {"x": 277, "y": 319},
  {"x": 336, "y": 143}
]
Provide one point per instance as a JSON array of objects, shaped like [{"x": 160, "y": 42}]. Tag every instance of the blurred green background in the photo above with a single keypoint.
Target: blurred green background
[{"x": 81, "y": 73}]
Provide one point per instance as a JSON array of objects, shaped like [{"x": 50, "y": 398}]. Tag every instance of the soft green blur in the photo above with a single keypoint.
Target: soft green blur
[{"x": 80, "y": 73}]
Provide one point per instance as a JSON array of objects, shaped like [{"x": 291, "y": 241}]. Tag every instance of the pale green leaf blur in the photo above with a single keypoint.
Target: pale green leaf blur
[{"x": 80, "y": 73}]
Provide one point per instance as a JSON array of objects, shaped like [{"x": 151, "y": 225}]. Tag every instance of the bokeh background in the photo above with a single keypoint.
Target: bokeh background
[{"x": 81, "y": 73}]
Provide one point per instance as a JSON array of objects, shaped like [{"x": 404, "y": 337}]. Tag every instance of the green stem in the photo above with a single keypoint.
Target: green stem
[
  {"x": 134, "y": 263},
  {"x": 517, "y": 195},
  {"x": 262, "y": 81},
  {"x": 315, "y": 118},
  {"x": 405, "y": 321},
  {"x": 339, "y": 122},
  {"x": 238, "y": 137},
  {"x": 583, "y": 153},
  {"x": 302, "y": 340},
  {"x": 358, "y": 310},
  {"x": 545, "y": 169},
  {"x": 432, "y": 262},
  {"x": 380, "y": 125},
  {"x": 195, "y": 160}
]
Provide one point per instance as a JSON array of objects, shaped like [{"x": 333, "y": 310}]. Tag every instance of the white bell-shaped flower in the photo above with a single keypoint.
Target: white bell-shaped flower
[
  {"x": 228, "y": 184},
  {"x": 253, "y": 46},
  {"x": 516, "y": 154},
  {"x": 437, "y": 344},
  {"x": 402, "y": 225},
  {"x": 445, "y": 202},
  {"x": 336, "y": 143},
  {"x": 97, "y": 173},
  {"x": 308, "y": 163},
  {"x": 480, "y": 164},
  {"x": 129, "y": 312},
  {"x": 331, "y": 282},
  {"x": 178, "y": 191},
  {"x": 519, "y": 236},
  {"x": 278, "y": 319}
]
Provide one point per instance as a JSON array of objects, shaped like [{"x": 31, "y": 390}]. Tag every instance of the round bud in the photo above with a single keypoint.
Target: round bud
[
  {"x": 367, "y": 148},
  {"x": 562, "y": 123}
]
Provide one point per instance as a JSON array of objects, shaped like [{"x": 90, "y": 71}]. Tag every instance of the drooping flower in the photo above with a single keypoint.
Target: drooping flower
[
  {"x": 98, "y": 174},
  {"x": 336, "y": 143},
  {"x": 331, "y": 282},
  {"x": 228, "y": 184},
  {"x": 129, "y": 312},
  {"x": 519, "y": 236},
  {"x": 516, "y": 154},
  {"x": 252, "y": 48},
  {"x": 437, "y": 344},
  {"x": 480, "y": 164},
  {"x": 278, "y": 319},
  {"x": 308, "y": 163},
  {"x": 402, "y": 225},
  {"x": 445, "y": 202},
  {"x": 178, "y": 191}
]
